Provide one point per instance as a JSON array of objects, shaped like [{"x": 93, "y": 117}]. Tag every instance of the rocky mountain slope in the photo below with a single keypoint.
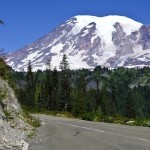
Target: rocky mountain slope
[
  {"x": 13, "y": 126},
  {"x": 88, "y": 41}
]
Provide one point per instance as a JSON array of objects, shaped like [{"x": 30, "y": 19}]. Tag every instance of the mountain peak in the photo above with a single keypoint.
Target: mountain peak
[
  {"x": 105, "y": 25},
  {"x": 109, "y": 21},
  {"x": 88, "y": 41},
  {"x": 112, "y": 18}
]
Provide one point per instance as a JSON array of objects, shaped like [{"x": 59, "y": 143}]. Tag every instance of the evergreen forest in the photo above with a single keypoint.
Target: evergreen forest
[{"x": 101, "y": 94}]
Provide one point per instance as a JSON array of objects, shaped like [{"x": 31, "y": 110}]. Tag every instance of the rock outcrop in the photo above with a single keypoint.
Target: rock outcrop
[{"x": 13, "y": 125}]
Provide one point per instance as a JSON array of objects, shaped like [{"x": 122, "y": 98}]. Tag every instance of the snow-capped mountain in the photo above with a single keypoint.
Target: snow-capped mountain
[{"x": 88, "y": 41}]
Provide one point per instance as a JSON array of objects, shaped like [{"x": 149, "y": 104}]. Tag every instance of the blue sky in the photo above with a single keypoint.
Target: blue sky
[{"x": 28, "y": 20}]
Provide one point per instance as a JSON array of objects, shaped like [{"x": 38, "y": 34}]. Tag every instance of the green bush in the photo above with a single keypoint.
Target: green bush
[
  {"x": 88, "y": 116},
  {"x": 146, "y": 123},
  {"x": 2, "y": 94},
  {"x": 142, "y": 122},
  {"x": 31, "y": 120},
  {"x": 116, "y": 118},
  {"x": 8, "y": 114}
]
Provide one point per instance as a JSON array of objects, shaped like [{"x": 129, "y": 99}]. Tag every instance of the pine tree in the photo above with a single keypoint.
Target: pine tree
[
  {"x": 113, "y": 98},
  {"x": 65, "y": 89},
  {"x": 129, "y": 106},
  {"x": 37, "y": 96},
  {"x": 41, "y": 97},
  {"x": 104, "y": 103},
  {"x": 29, "y": 86},
  {"x": 3, "y": 66},
  {"x": 97, "y": 77},
  {"x": 55, "y": 90},
  {"x": 80, "y": 95},
  {"x": 48, "y": 86},
  {"x": 90, "y": 101},
  {"x": 22, "y": 96},
  {"x": 2, "y": 61}
]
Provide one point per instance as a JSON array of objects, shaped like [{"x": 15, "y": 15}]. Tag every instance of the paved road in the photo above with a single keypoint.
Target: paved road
[{"x": 72, "y": 134}]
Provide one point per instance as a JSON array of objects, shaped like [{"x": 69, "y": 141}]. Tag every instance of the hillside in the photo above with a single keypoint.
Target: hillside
[{"x": 14, "y": 128}]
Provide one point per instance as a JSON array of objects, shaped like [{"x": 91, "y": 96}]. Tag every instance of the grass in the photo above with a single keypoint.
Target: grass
[
  {"x": 94, "y": 116},
  {"x": 116, "y": 118},
  {"x": 30, "y": 135},
  {"x": 8, "y": 115},
  {"x": 3, "y": 94},
  {"x": 35, "y": 123}
]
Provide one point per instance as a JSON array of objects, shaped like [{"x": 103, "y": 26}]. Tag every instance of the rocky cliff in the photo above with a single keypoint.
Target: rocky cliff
[{"x": 13, "y": 125}]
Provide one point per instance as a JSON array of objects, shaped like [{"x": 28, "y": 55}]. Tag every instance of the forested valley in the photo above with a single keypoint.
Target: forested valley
[{"x": 103, "y": 94}]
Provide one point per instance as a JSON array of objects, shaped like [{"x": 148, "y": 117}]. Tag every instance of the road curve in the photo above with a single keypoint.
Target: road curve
[{"x": 72, "y": 134}]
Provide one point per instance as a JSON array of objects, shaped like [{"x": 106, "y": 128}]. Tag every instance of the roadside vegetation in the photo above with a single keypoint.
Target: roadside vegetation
[
  {"x": 9, "y": 75},
  {"x": 3, "y": 94},
  {"x": 99, "y": 117},
  {"x": 34, "y": 122},
  {"x": 117, "y": 96}
]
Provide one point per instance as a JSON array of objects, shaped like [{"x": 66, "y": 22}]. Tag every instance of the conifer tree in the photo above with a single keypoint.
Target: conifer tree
[
  {"x": 104, "y": 103},
  {"x": 29, "y": 86},
  {"x": 37, "y": 95},
  {"x": 48, "y": 85},
  {"x": 97, "y": 77},
  {"x": 55, "y": 90},
  {"x": 80, "y": 97},
  {"x": 2, "y": 61},
  {"x": 113, "y": 98},
  {"x": 129, "y": 106},
  {"x": 2, "y": 64},
  {"x": 65, "y": 89},
  {"x": 41, "y": 98}
]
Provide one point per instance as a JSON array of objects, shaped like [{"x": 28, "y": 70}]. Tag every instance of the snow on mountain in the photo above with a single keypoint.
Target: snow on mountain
[
  {"x": 88, "y": 41},
  {"x": 105, "y": 25}
]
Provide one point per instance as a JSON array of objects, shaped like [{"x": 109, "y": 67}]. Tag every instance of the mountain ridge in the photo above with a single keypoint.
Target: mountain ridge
[{"x": 88, "y": 41}]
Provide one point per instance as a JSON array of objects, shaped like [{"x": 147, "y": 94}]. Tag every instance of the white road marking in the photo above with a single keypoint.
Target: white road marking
[{"x": 101, "y": 131}]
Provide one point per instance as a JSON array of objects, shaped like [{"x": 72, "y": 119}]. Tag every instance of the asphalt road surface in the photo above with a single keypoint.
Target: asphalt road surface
[{"x": 72, "y": 134}]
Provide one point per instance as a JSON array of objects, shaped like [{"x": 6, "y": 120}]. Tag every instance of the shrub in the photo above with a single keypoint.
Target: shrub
[
  {"x": 2, "y": 94},
  {"x": 34, "y": 122},
  {"x": 88, "y": 116},
  {"x": 146, "y": 123},
  {"x": 8, "y": 115}
]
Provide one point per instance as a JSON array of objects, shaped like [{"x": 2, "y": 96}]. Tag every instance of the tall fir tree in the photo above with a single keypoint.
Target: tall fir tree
[
  {"x": 37, "y": 96},
  {"x": 129, "y": 105},
  {"x": 55, "y": 90},
  {"x": 48, "y": 85},
  {"x": 104, "y": 103},
  {"x": 80, "y": 106},
  {"x": 65, "y": 88},
  {"x": 113, "y": 98},
  {"x": 2, "y": 62},
  {"x": 30, "y": 86},
  {"x": 96, "y": 76},
  {"x": 3, "y": 66}
]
